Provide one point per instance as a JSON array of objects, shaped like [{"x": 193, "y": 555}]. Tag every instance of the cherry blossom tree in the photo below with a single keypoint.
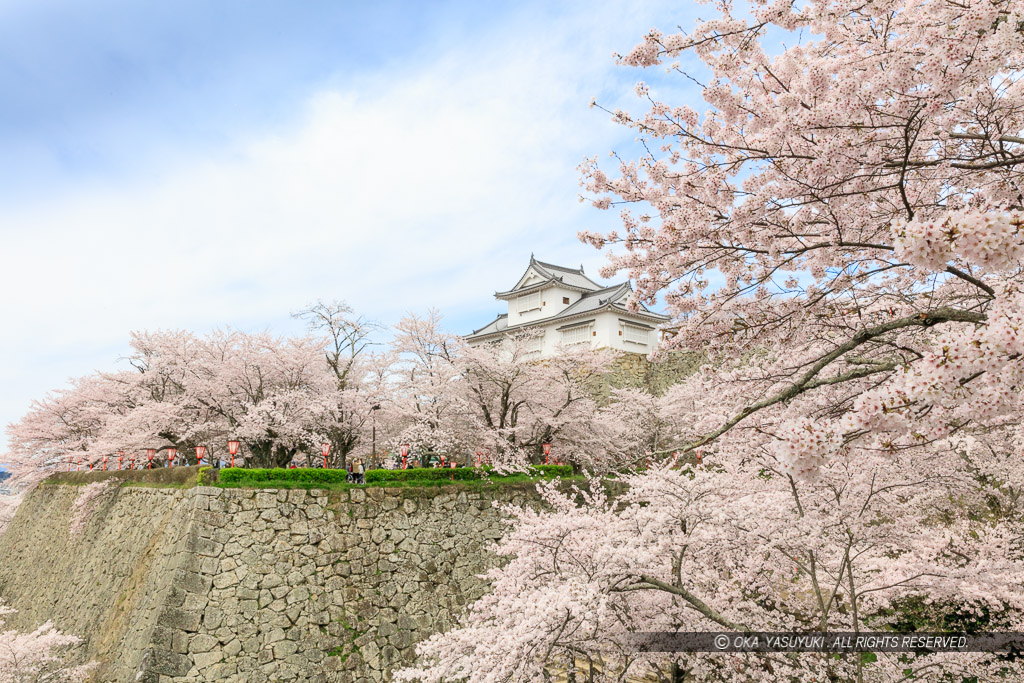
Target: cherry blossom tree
[
  {"x": 192, "y": 390},
  {"x": 454, "y": 398},
  {"x": 428, "y": 406},
  {"x": 518, "y": 401},
  {"x": 62, "y": 425},
  {"x": 37, "y": 655},
  {"x": 858, "y": 195},
  {"x": 344, "y": 422},
  {"x": 186, "y": 391},
  {"x": 839, "y": 230}
]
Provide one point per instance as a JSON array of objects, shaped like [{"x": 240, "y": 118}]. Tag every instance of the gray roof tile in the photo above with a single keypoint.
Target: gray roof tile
[{"x": 591, "y": 301}]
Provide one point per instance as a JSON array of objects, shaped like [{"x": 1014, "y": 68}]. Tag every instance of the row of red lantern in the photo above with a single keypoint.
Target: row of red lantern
[
  {"x": 404, "y": 450},
  {"x": 481, "y": 455},
  {"x": 325, "y": 449},
  {"x": 172, "y": 455}
]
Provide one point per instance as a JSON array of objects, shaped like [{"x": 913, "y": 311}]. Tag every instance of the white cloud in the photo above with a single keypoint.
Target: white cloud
[{"x": 424, "y": 187}]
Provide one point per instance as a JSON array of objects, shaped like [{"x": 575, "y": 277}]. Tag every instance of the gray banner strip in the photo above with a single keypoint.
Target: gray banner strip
[{"x": 875, "y": 641}]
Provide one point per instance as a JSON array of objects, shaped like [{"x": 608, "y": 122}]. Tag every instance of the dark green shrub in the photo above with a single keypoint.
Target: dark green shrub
[
  {"x": 257, "y": 477},
  {"x": 552, "y": 471},
  {"x": 423, "y": 474},
  {"x": 240, "y": 475},
  {"x": 461, "y": 473}
]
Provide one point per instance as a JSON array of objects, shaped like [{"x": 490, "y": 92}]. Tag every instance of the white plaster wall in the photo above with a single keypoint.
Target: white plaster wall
[
  {"x": 607, "y": 335},
  {"x": 607, "y": 326},
  {"x": 553, "y": 300},
  {"x": 630, "y": 346},
  {"x": 551, "y": 305}
]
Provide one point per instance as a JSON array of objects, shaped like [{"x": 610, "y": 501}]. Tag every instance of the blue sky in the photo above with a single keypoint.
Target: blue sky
[{"x": 199, "y": 164}]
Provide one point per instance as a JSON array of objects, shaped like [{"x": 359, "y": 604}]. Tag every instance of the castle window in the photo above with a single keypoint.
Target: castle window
[
  {"x": 528, "y": 302},
  {"x": 565, "y": 299},
  {"x": 576, "y": 335},
  {"x": 636, "y": 334}
]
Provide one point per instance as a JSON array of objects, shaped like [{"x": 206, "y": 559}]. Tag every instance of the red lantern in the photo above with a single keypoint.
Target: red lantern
[
  {"x": 405, "y": 454},
  {"x": 172, "y": 454},
  {"x": 120, "y": 459},
  {"x": 90, "y": 465},
  {"x": 104, "y": 463},
  {"x": 547, "y": 452},
  {"x": 233, "y": 449},
  {"x": 200, "y": 452},
  {"x": 325, "y": 449},
  {"x": 700, "y": 458},
  {"x": 69, "y": 464},
  {"x": 150, "y": 452}
]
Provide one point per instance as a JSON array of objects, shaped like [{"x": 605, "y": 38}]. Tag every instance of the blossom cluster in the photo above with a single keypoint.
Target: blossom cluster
[
  {"x": 38, "y": 655},
  {"x": 991, "y": 240}
]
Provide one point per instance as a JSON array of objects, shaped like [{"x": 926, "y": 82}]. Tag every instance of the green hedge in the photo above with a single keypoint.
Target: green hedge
[
  {"x": 555, "y": 470},
  {"x": 458, "y": 473},
  {"x": 423, "y": 474},
  {"x": 551, "y": 471},
  {"x": 241, "y": 475}
]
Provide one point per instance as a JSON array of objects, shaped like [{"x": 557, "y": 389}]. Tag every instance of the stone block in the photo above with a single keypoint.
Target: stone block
[
  {"x": 202, "y": 642},
  {"x": 246, "y": 593},
  {"x": 179, "y": 642},
  {"x": 225, "y": 580},
  {"x": 266, "y": 500},
  {"x": 284, "y": 648},
  {"x": 233, "y": 648},
  {"x": 168, "y": 663},
  {"x": 204, "y": 660},
  {"x": 221, "y": 672},
  {"x": 207, "y": 547},
  {"x": 176, "y": 618},
  {"x": 195, "y": 602},
  {"x": 194, "y": 582},
  {"x": 213, "y": 617}
]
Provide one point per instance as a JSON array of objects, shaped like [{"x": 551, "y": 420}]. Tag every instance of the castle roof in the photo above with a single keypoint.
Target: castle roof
[
  {"x": 594, "y": 299},
  {"x": 549, "y": 275}
]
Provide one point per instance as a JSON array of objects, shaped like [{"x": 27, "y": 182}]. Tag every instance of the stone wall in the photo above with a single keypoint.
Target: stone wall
[
  {"x": 106, "y": 585},
  {"x": 209, "y": 584},
  {"x": 633, "y": 370}
]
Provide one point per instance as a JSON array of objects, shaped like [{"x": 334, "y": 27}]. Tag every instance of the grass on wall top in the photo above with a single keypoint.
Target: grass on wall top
[{"x": 238, "y": 477}]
